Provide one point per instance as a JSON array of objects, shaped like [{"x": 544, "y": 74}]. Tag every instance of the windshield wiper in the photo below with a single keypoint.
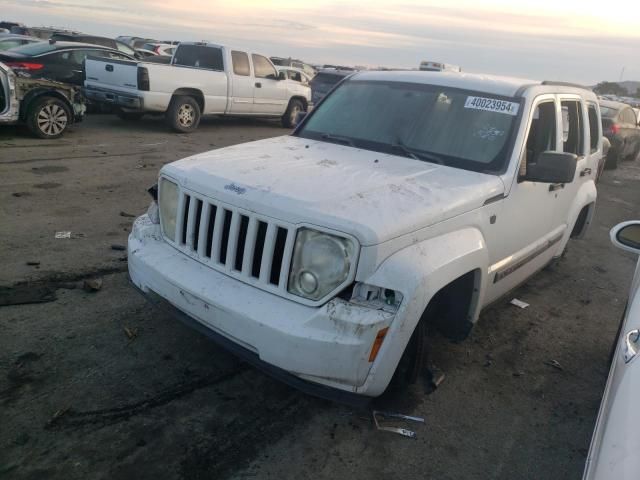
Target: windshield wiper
[
  {"x": 417, "y": 155},
  {"x": 338, "y": 138}
]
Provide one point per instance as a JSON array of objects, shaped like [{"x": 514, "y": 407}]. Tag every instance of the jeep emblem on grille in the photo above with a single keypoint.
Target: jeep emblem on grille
[{"x": 235, "y": 188}]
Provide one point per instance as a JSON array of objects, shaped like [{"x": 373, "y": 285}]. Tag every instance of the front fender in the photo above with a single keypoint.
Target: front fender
[{"x": 419, "y": 272}]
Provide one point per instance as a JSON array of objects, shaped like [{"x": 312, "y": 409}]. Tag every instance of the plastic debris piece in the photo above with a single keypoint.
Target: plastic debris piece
[
  {"x": 63, "y": 235},
  {"x": 398, "y": 430},
  {"x": 519, "y": 303},
  {"x": 92, "y": 284},
  {"x": 131, "y": 332},
  {"x": 118, "y": 247},
  {"x": 555, "y": 364}
]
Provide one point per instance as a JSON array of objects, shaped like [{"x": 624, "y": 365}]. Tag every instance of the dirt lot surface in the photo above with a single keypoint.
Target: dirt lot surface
[{"x": 99, "y": 385}]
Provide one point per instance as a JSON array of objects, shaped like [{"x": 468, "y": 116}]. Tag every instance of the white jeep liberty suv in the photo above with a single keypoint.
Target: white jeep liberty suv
[{"x": 404, "y": 199}]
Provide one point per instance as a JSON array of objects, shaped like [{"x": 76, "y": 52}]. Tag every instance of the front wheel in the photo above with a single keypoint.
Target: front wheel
[
  {"x": 48, "y": 117},
  {"x": 413, "y": 359},
  {"x": 183, "y": 115},
  {"x": 291, "y": 115}
]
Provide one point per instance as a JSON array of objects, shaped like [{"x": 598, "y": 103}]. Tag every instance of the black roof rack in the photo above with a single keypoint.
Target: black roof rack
[{"x": 564, "y": 84}]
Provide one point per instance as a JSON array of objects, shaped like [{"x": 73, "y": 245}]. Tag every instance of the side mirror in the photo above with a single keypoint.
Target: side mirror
[
  {"x": 300, "y": 117},
  {"x": 282, "y": 76},
  {"x": 553, "y": 167},
  {"x": 626, "y": 235}
]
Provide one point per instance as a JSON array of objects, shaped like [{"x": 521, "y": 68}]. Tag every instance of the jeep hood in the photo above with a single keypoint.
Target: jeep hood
[{"x": 374, "y": 196}]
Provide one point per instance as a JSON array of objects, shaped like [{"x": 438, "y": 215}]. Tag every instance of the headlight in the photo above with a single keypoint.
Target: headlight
[
  {"x": 168, "y": 207},
  {"x": 321, "y": 262}
]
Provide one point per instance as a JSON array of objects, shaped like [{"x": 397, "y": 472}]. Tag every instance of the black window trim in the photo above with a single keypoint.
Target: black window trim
[{"x": 594, "y": 105}]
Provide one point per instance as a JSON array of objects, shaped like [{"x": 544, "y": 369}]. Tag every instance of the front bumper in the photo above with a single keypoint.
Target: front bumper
[{"x": 316, "y": 349}]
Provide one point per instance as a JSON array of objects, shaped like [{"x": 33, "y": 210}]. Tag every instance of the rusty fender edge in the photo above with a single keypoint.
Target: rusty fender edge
[{"x": 321, "y": 391}]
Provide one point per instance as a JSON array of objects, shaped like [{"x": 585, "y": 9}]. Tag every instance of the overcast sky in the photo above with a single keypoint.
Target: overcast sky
[{"x": 572, "y": 40}]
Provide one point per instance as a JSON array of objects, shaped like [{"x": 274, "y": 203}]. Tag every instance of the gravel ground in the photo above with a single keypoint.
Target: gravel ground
[{"x": 99, "y": 385}]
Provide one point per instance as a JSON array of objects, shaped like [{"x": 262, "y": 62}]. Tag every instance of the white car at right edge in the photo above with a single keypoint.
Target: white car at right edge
[{"x": 615, "y": 446}]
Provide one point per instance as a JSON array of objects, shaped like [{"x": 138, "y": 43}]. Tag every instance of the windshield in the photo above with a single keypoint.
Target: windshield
[{"x": 459, "y": 128}]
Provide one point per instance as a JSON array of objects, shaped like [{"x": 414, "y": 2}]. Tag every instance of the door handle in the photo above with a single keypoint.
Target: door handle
[
  {"x": 258, "y": 85},
  {"x": 584, "y": 172},
  {"x": 556, "y": 186},
  {"x": 631, "y": 343}
]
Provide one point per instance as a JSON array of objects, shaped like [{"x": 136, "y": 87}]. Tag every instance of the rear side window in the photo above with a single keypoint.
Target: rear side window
[
  {"x": 628, "y": 116},
  {"x": 572, "y": 127},
  {"x": 199, "y": 56},
  {"x": 240, "y": 63},
  {"x": 594, "y": 127},
  {"x": 262, "y": 67}
]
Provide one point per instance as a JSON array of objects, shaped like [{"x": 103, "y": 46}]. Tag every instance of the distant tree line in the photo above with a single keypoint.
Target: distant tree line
[{"x": 613, "y": 88}]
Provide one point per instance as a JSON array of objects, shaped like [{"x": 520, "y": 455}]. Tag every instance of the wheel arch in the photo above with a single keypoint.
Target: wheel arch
[
  {"x": 458, "y": 261},
  {"x": 37, "y": 93},
  {"x": 197, "y": 95},
  {"x": 305, "y": 104}
]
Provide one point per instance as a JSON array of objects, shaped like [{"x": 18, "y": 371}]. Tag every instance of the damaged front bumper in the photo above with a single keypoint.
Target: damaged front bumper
[{"x": 321, "y": 350}]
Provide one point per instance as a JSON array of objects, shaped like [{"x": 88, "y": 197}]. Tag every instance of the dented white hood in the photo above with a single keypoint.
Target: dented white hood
[{"x": 371, "y": 195}]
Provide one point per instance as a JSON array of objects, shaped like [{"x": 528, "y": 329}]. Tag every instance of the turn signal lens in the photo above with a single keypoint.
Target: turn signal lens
[{"x": 377, "y": 343}]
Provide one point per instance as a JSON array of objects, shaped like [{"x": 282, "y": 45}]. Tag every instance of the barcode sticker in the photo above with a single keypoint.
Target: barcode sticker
[{"x": 492, "y": 105}]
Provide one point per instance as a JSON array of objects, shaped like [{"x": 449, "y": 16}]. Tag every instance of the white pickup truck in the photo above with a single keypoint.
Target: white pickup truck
[
  {"x": 403, "y": 201},
  {"x": 202, "y": 79}
]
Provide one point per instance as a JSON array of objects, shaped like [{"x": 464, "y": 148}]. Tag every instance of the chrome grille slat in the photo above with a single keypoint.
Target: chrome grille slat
[
  {"x": 191, "y": 222},
  {"x": 232, "y": 243},
  {"x": 255, "y": 245},
  {"x": 249, "y": 249},
  {"x": 267, "y": 253},
  {"x": 205, "y": 216}
]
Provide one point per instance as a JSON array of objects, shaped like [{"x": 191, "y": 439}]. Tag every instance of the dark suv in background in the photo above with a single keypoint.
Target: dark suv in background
[{"x": 621, "y": 127}]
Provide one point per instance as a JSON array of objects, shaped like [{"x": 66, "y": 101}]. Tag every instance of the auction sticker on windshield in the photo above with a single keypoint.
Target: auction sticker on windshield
[{"x": 492, "y": 105}]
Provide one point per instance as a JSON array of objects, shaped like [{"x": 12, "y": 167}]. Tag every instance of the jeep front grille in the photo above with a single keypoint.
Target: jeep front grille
[{"x": 242, "y": 244}]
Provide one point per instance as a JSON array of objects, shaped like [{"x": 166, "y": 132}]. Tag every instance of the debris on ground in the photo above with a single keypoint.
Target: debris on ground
[
  {"x": 125, "y": 214},
  {"x": 33, "y": 263},
  {"x": 131, "y": 332},
  {"x": 376, "y": 415},
  {"x": 555, "y": 364},
  {"x": 25, "y": 294},
  {"x": 92, "y": 284},
  {"x": 65, "y": 234},
  {"x": 488, "y": 360},
  {"x": 118, "y": 247},
  {"x": 436, "y": 376},
  {"x": 519, "y": 303},
  {"x": 56, "y": 416}
]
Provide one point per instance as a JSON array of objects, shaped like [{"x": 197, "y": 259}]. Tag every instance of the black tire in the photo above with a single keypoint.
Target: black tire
[
  {"x": 612, "y": 160},
  {"x": 48, "y": 117},
  {"x": 413, "y": 360},
  {"x": 183, "y": 115},
  {"x": 129, "y": 116},
  {"x": 289, "y": 118}
]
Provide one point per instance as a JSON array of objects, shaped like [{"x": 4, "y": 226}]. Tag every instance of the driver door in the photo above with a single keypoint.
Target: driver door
[{"x": 270, "y": 94}]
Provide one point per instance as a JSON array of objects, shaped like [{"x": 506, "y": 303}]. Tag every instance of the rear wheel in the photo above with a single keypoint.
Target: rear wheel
[
  {"x": 612, "y": 160},
  {"x": 183, "y": 115},
  {"x": 291, "y": 115},
  {"x": 48, "y": 117}
]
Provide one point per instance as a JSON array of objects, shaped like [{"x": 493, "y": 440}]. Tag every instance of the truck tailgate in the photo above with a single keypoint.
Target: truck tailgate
[{"x": 102, "y": 72}]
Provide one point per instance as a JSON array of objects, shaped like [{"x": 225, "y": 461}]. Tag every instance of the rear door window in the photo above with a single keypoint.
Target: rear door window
[
  {"x": 572, "y": 127},
  {"x": 240, "y": 63},
  {"x": 199, "y": 56},
  {"x": 262, "y": 67}
]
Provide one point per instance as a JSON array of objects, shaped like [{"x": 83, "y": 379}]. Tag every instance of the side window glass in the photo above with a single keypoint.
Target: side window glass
[
  {"x": 296, "y": 76},
  {"x": 240, "y": 63},
  {"x": 263, "y": 68},
  {"x": 594, "y": 130},
  {"x": 199, "y": 56},
  {"x": 572, "y": 127},
  {"x": 542, "y": 134}
]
